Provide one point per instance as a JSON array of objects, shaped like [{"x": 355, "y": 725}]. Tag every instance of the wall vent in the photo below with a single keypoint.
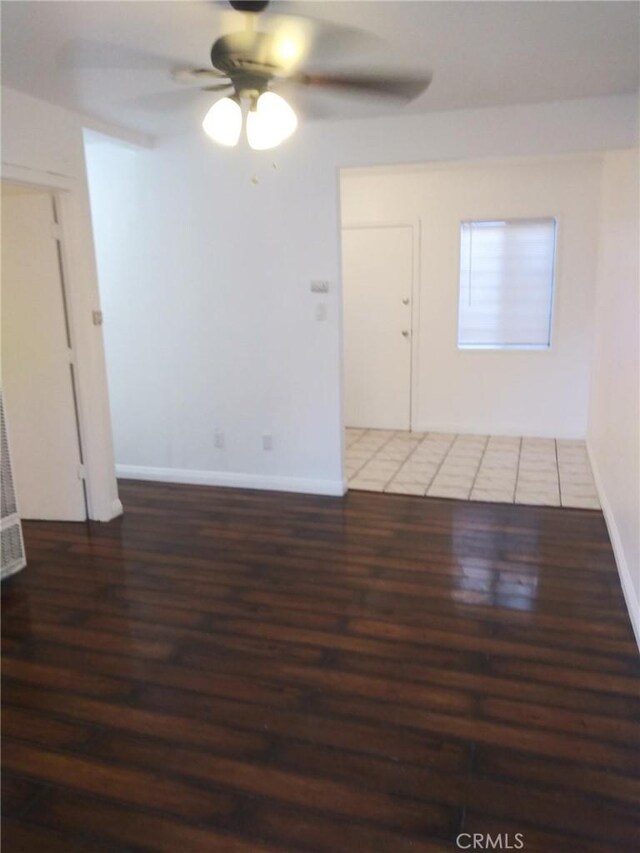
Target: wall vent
[{"x": 11, "y": 541}]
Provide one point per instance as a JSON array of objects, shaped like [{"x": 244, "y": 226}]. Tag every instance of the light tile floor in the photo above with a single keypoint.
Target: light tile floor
[{"x": 542, "y": 471}]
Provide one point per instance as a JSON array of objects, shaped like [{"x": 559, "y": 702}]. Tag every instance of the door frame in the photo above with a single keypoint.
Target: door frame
[
  {"x": 58, "y": 234},
  {"x": 85, "y": 332},
  {"x": 414, "y": 366}
]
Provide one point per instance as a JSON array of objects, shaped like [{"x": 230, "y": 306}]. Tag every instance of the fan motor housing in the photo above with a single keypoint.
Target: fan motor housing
[
  {"x": 254, "y": 6},
  {"x": 244, "y": 53}
]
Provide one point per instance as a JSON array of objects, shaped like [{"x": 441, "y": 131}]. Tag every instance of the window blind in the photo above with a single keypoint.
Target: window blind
[{"x": 506, "y": 283}]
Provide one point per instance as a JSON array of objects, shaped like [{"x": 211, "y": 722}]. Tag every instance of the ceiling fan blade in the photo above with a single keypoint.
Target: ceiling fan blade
[
  {"x": 221, "y": 87},
  {"x": 81, "y": 53},
  {"x": 197, "y": 76},
  {"x": 290, "y": 38},
  {"x": 331, "y": 41},
  {"x": 178, "y": 99},
  {"x": 403, "y": 87},
  {"x": 297, "y": 39},
  {"x": 306, "y": 102}
]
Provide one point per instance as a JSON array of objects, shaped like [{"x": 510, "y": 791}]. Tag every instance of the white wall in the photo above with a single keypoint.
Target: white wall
[
  {"x": 42, "y": 144},
  {"x": 614, "y": 423},
  {"x": 209, "y": 320},
  {"x": 212, "y": 323},
  {"x": 498, "y": 392}
]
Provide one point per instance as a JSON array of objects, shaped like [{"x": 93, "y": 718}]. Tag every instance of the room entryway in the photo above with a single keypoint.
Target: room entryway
[{"x": 498, "y": 469}]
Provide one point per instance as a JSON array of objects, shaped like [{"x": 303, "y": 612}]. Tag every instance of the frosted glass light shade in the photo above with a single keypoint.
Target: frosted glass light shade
[
  {"x": 271, "y": 122},
  {"x": 223, "y": 122}
]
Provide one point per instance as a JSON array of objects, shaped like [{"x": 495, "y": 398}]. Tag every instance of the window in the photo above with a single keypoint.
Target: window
[{"x": 506, "y": 284}]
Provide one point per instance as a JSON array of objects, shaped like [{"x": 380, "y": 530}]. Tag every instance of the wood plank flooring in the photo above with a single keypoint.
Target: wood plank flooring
[{"x": 224, "y": 670}]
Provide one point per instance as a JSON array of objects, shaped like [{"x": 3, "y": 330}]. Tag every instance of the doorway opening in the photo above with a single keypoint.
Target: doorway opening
[
  {"x": 489, "y": 400},
  {"x": 380, "y": 285},
  {"x": 38, "y": 359}
]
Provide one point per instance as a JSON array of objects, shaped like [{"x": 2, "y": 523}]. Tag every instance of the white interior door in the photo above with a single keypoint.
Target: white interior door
[
  {"x": 377, "y": 278},
  {"x": 36, "y": 362}
]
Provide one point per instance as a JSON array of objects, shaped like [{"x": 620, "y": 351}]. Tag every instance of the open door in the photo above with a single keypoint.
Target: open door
[{"x": 37, "y": 361}]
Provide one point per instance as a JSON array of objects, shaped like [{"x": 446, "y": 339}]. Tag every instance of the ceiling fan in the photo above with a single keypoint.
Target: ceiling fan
[{"x": 249, "y": 64}]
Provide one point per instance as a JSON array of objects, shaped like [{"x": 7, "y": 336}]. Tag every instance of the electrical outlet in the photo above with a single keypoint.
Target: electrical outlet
[
  {"x": 267, "y": 442},
  {"x": 218, "y": 439},
  {"x": 321, "y": 312}
]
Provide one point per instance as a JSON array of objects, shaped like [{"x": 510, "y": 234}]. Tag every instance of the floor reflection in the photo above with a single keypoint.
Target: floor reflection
[{"x": 489, "y": 580}]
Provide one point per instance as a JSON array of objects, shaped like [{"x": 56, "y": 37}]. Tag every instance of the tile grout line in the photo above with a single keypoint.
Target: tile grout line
[
  {"x": 442, "y": 461},
  {"x": 555, "y": 450},
  {"x": 356, "y": 440},
  {"x": 422, "y": 440},
  {"x": 395, "y": 474},
  {"x": 482, "y": 455},
  {"x": 515, "y": 485},
  {"x": 393, "y": 435},
  {"x": 366, "y": 461},
  {"x": 540, "y": 485},
  {"x": 375, "y": 453},
  {"x": 448, "y": 454},
  {"x": 355, "y": 473}
]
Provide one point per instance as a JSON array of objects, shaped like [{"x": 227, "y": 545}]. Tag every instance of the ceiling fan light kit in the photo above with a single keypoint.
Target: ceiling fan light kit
[
  {"x": 248, "y": 63},
  {"x": 270, "y": 120},
  {"x": 223, "y": 122}
]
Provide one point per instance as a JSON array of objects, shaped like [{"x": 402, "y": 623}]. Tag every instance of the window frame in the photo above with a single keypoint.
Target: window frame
[{"x": 480, "y": 347}]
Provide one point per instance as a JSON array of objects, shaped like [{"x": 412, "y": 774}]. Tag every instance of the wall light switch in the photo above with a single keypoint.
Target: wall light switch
[{"x": 320, "y": 286}]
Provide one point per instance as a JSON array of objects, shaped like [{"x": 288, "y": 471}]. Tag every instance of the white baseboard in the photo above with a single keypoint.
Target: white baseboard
[
  {"x": 515, "y": 432},
  {"x": 230, "y": 479},
  {"x": 624, "y": 572}
]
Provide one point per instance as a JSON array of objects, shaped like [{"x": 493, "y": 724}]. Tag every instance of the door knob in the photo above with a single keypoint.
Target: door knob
[
  {"x": 405, "y": 301},
  {"x": 405, "y": 333}
]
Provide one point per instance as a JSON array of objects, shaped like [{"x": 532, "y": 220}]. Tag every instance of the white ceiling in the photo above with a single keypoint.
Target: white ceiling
[{"x": 480, "y": 53}]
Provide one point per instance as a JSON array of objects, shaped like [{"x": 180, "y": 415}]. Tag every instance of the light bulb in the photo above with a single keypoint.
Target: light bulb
[
  {"x": 271, "y": 122},
  {"x": 290, "y": 43},
  {"x": 223, "y": 122}
]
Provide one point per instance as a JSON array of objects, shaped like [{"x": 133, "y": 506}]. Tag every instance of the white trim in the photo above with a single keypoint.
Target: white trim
[
  {"x": 80, "y": 279},
  {"x": 447, "y": 163},
  {"x": 134, "y": 138},
  {"x": 232, "y": 479},
  {"x": 341, "y": 336},
  {"x": 16, "y": 174},
  {"x": 467, "y": 428},
  {"x": 633, "y": 604}
]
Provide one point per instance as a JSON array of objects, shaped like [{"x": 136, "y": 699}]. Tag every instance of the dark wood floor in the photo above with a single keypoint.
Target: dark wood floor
[{"x": 236, "y": 671}]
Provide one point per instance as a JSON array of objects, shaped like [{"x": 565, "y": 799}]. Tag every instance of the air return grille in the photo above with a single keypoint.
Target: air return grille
[
  {"x": 12, "y": 544},
  {"x": 12, "y": 549},
  {"x": 8, "y": 505}
]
